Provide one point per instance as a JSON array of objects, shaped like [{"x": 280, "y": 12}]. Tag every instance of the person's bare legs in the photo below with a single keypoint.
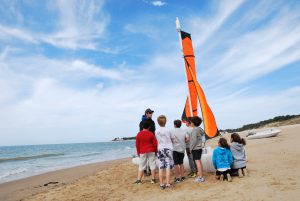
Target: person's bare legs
[
  {"x": 177, "y": 171},
  {"x": 140, "y": 174},
  {"x": 199, "y": 167},
  {"x": 182, "y": 170},
  {"x": 160, "y": 174},
  {"x": 168, "y": 176},
  {"x": 153, "y": 174}
]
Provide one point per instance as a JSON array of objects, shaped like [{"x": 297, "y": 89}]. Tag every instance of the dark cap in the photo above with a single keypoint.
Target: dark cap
[{"x": 148, "y": 111}]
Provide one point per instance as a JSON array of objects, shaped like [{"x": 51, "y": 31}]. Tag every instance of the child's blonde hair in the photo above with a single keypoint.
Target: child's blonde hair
[{"x": 162, "y": 120}]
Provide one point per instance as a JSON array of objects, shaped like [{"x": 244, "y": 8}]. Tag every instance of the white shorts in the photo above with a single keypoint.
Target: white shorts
[{"x": 147, "y": 158}]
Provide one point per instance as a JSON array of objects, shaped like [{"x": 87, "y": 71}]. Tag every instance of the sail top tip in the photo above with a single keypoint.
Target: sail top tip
[{"x": 178, "y": 24}]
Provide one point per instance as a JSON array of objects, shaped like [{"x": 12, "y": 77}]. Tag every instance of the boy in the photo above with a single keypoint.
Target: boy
[
  {"x": 188, "y": 131},
  {"x": 146, "y": 147},
  {"x": 165, "y": 151},
  {"x": 196, "y": 145},
  {"x": 178, "y": 150}
]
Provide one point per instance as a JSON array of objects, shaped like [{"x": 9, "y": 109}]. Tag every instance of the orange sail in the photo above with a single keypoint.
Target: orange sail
[
  {"x": 210, "y": 126},
  {"x": 195, "y": 91},
  {"x": 186, "y": 111},
  {"x": 188, "y": 52}
]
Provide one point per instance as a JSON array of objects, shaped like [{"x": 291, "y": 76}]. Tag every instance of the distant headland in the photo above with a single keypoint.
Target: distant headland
[{"x": 123, "y": 138}]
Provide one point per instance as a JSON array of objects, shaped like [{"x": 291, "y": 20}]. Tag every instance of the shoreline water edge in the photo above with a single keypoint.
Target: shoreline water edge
[{"x": 18, "y": 162}]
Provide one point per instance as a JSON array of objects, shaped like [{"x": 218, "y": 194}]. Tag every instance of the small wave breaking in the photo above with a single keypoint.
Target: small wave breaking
[{"x": 23, "y": 158}]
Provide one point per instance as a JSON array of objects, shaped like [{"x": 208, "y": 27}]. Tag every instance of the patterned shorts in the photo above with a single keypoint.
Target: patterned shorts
[{"x": 165, "y": 157}]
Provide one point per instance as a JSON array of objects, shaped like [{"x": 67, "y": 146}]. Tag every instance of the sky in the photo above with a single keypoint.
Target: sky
[{"x": 85, "y": 71}]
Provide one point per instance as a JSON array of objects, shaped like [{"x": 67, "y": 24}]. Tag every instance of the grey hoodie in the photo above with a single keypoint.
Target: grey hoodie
[
  {"x": 196, "y": 138},
  {"x": 239, "y": 155}
]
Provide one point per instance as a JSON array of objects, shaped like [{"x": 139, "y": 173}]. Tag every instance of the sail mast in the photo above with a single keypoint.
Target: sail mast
[{"x": 178, "y": 28}]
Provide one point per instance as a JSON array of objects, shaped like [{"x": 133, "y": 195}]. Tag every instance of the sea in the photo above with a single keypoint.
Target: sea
[{"x": 17, "y": 162}]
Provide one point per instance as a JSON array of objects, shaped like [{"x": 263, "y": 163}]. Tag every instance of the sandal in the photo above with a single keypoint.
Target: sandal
[{"x": 137, "y": 181}]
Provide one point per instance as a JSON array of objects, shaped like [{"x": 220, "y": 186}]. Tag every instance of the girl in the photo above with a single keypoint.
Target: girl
[
  {"x": 222, "y": 160},
  {"x": 239, "y": 155}
]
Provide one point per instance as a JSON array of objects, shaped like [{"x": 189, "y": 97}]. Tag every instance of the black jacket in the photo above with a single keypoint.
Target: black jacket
[{"x": 152, "y": 124}]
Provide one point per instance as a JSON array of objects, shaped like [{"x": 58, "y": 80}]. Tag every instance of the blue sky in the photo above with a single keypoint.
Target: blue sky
[{"x": 85, "y": 71}]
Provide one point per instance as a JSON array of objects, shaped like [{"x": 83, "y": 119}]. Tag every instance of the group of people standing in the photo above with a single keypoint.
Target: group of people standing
[{"x": 170, "y": 147}]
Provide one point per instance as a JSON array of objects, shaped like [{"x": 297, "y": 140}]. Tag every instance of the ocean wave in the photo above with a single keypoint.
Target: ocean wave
[
  {"x": 90, "y": 154},
  {"x": 23, "y": 158},
  {"x": 13, "y": 172}
]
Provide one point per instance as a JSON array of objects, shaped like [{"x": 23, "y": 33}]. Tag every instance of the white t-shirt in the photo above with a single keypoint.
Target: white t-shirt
[
  {"x": 164, "y": 138},
  {"x": 179, "y": 144}
]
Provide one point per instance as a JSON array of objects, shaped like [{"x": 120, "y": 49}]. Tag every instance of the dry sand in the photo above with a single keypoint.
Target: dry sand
[{"x": 274, "y": 174}]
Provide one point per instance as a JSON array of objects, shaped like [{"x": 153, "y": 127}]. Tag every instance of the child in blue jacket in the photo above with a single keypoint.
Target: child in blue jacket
[{"x": 222, "y": 160}]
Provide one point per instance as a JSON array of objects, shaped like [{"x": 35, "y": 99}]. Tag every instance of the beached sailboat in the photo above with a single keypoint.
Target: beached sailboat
[
  {"x": 264, "y": 134},
  {"x": 191, "y": 105},
  {"x": 196, "y": 92}
]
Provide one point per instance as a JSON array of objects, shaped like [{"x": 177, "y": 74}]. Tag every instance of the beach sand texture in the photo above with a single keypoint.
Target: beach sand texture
[{"x": 273, "y": 165}]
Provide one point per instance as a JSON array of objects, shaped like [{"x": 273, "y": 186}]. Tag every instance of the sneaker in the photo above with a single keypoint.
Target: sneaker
[
  {"x": 199, "y": 179},
  {"x": 182, "y": 178},
  {"x": 137, "y": 181},
  {"x": 168, "y": 186},
  {"x": 191, "y": 174},
  {"x": 245, "y": 172},
  {"x": 240, "y": 173},
  {"x": 194, "y": 174},
  {"x": 221, "y": 177},
  {"x": 177, "y": 180},
  {"x": 229, "y": 178},
  {"x": 153, "y": 181},
  {"x": 162, "y": 186}
]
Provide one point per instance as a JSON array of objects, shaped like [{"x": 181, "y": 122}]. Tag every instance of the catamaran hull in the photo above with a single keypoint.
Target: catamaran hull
[
  {"x": 206, "y": 160},
  {"x": 265, "y": 134}
]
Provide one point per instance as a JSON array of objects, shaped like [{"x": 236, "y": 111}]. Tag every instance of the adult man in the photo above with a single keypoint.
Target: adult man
[{"x": 148, "y": 116}]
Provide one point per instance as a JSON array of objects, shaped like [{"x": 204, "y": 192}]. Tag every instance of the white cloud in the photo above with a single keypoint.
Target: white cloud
[
  {"x": 8, "y": 33},
  {"x": 158, "y": 3},
  {"x": 94, "y": 71},
  {"x": 65, "y": 69},
  {"x": 253, "y": 108},
  {"x": 147, "y": 30},
  {"x": 78, "y": 26},
  {"x": 203, "y": 28},
  {"x": 80, "y": 22},
  {"x": 257, "y": 53},
  {"x": 74, "y": 115},
  {"x": 44, "y": 100}
]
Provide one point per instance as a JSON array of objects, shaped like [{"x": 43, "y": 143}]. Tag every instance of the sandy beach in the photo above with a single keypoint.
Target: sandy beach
[{"x": 273, "y": 165}]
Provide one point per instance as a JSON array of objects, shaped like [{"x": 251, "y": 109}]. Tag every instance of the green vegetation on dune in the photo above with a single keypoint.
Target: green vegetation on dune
[{"x": 276, "y": 121}]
